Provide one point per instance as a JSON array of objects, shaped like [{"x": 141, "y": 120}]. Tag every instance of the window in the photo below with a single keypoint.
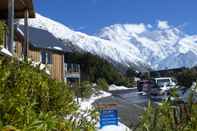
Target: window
[
  {"x": 46, "y": 57},
  {"x": 163, "y": 82}
]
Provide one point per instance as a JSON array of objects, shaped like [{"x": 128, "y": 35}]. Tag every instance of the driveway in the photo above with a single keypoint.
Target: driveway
[{"x": 131, "y": 105}]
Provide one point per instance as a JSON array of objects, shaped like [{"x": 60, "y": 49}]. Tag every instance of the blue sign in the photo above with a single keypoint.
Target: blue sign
[{"x": 108, "y": 117}]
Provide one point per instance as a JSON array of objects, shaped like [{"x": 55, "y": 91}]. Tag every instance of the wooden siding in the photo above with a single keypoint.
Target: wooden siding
[
  {"x": 58, "y": 66},
  {"x": 18, "y": 49},
  {"x": 34, "y": 54}
]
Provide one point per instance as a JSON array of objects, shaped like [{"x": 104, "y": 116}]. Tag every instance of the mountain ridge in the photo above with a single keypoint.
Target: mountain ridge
[{"x": 138, "y": 45}]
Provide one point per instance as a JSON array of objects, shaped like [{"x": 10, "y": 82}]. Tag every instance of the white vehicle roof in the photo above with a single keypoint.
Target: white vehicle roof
[{"x": 161, "y": 78}]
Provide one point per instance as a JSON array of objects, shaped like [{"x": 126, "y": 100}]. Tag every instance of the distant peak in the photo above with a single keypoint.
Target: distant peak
[
  {"x": 131, "y": 28},
  {"x": 163, "y": 25}
]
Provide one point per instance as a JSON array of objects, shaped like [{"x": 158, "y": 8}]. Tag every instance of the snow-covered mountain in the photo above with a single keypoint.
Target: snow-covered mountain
[
  {"x": 136, "y": 45},
  {"x": 162, "y": 47}
]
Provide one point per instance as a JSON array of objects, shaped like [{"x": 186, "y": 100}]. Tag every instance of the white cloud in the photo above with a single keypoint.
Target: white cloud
[{"x": 163, "y": 25}]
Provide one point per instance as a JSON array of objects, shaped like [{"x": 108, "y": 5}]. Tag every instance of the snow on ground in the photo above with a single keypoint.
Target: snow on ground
[
  {"x": 114, "y": 87},
  {"x": 87, "y": 103},
  {"x": 120, "y": 127}
]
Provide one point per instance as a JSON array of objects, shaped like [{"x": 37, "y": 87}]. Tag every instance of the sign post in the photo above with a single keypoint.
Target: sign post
[
  {"x": 108, "y": 117},
  {"x": 108, "y": 114}
]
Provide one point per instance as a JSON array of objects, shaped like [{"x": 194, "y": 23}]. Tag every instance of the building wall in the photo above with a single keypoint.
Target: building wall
[
  {"x": 34, "y": 55},
  {"x": 18, "y": 49},
  {"x": 56, "y": 68}
]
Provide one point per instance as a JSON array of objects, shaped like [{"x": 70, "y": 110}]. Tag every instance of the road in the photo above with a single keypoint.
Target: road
[{"x": 131, "y": 105}]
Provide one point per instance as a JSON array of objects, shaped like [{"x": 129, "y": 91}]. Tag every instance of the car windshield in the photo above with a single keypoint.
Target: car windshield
[{"x": 163, "y": 82}]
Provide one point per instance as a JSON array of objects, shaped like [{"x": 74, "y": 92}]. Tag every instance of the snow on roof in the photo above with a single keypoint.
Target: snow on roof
[
  {"x": 57, "y": 48},
  {"x": 5, "y": 51},
  {"x": 20, "y": 31}
]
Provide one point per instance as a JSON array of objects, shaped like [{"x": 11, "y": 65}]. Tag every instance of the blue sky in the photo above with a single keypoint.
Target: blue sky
[{"x": 90, "y": 16}]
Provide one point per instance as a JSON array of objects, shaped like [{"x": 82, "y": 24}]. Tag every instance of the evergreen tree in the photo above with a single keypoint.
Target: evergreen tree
[
  {"x": 93, "y": 67},
  {"x": 186, "y": 77},
  {"x": 131, "y": 73}
]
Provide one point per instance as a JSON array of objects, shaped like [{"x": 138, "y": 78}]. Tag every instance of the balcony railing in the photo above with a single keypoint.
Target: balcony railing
[{"x": 72, "y": 70}]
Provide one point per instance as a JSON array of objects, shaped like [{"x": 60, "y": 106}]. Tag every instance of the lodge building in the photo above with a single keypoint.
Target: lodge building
[{"x": 20, "y": 42}]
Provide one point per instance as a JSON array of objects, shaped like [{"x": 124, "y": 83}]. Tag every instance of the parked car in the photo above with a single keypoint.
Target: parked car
[
  {"x": 165, "y": 83},
  {"x": 157, "y": 87}
]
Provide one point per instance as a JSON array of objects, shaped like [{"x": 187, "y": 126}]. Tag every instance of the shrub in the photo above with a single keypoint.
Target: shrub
[
  {"x": 30, "y": 100},
  {"x": 170, "y": 116},
  {"x": 2, "y": 33},
  {"x": 85, "y": 89},
  {"x": 102, "y": 84}
]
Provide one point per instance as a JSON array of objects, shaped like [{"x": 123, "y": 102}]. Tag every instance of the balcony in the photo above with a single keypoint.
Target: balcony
[{"x": 72, "y": 71}]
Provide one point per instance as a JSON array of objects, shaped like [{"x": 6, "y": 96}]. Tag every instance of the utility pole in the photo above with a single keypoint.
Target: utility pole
[
  {"x": 10, "y": 25},
  {"x": 26, "y": 45}
]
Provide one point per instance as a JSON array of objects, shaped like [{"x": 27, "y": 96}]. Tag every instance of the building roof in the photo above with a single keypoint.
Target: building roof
[
  {"x": 42, "y": 39},
  {"x": 20, "y": 7}
]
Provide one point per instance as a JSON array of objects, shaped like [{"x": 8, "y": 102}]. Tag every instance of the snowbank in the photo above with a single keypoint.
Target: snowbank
[
  {"x": 120, "y": 127},
  {"x": 114, "y": 87},
  {"x": 87, "y": 103}
]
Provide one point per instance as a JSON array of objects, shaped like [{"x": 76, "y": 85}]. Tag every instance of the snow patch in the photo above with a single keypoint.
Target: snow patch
[
  {"x": 163, "y": 25},
  {"x": 86, "y": 104},
  {"x": 149, "y": 26},
  {"x": 120, "y": 127},
  {"x": 57, "y": 48},
  {"x": 135, "y": 28},
  {"x": 114, "y": 87}
]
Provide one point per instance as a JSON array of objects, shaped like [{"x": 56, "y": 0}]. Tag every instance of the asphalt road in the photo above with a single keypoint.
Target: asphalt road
[{"x": 131, "y": 105}]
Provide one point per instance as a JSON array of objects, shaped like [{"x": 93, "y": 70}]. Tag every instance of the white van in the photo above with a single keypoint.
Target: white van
[{"x": 165, "y": 83}]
